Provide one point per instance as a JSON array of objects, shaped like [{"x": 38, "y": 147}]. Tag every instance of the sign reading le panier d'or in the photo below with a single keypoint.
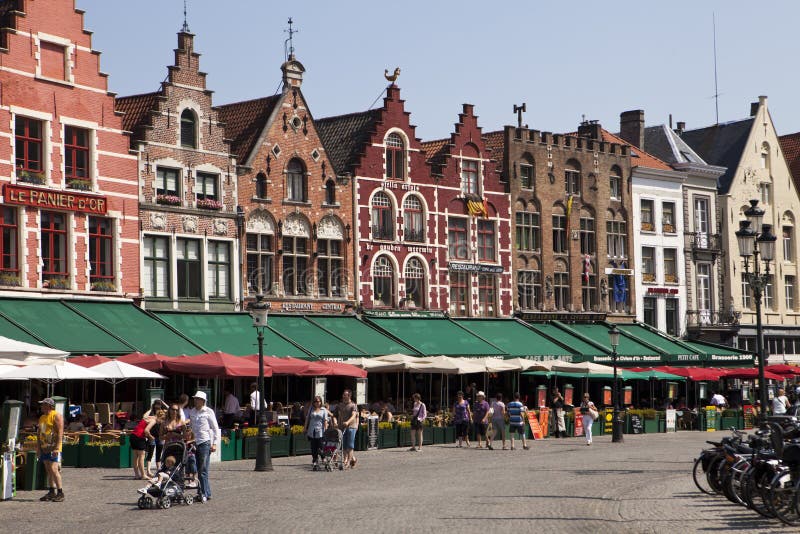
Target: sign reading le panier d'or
[{"x": 57, "y": 200}]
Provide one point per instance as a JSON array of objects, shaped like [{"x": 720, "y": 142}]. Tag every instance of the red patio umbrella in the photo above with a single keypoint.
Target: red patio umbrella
[
  {"x": 783, "y": 369},
  {"x": 750, "y": 372},
  {"x": 693, "y": 373},
  {"x": 282, "y": 366},
  {"x": 215, "y": 364},
  {"x": 88, "y": 361},
  {"x": 151, "y": 362},
  {"x": 329, "y": 368}
]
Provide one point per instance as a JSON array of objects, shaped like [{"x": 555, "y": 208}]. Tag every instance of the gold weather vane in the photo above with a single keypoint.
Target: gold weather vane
[{"x": 391, "y": 77}]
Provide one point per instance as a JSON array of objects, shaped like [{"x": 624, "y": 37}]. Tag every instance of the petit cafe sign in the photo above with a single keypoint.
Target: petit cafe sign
[{"x": 56, "y": 200}]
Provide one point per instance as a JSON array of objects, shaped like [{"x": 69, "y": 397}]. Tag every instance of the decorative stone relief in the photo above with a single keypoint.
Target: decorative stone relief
[
  {"x": 158, "y": 221},
  {"x": 189, "y": 223},
  {"x": 329, "y": 228},
  {"x": 295, "y": 226},
  {"x": 220, "y": 226},
  {"x": 260, "y": 223}
]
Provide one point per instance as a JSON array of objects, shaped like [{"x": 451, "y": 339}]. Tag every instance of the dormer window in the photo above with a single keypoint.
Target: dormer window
[
  {"x": 188, "y": 129},
  {"x": 395, "y": 157}
]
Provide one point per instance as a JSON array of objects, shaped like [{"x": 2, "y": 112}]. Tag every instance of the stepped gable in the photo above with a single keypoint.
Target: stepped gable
[
  {"x": 244, "y": 122},
  {"x": 495, "y": 142},
  {"x": 435, "y": 151},
  {"x": 345, "y": 136},
  {"x": 722, "y": 145}
]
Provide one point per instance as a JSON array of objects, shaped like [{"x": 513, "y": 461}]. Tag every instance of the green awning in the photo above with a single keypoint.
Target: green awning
[
  {"x": 577, "y": 345},
  {"x": 627, "y": 346},
  {"x": 311, "y": 337},
  {"x": 11, "y": 331},
  {"x": 136, "y": 327},
  {"x": 60, "y": 327},
  {"x": 720, "y": 355},
  {"x": 229, "y": 332},
  {"x": 676, "y": 350},
  {"x": 516, "y": 339},
  {"x": 361, "y": 335},
  {"x": 436, "y": 337}
]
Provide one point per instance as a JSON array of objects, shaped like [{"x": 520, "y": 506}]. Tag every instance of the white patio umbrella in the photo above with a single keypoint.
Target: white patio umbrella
[
  {"x": 52, "y": 373},
  {"x": 587, "y": 368},
  {"x": 13, "y": 352},
  {"x": 116, "y": 371}
]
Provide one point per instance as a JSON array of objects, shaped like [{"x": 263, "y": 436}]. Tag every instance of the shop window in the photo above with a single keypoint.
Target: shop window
[
  {"x": 260, "y": 257},
  {"x": 9, "y": 253},
  {"x": 413, "y": 220},
  {"x": 457, "y": 238},
  {"x": 330, "y": 268},
  {"x": 382, "y": 217},
  {"x": 529, "y": 231},
  {"x": 76, "y": 156},
  {"x": 296, "y": 181},
  {"x": 218, "y": 275},
  {"x": 395, "y": 157},
  {"x": 156, "y": 275},
  {"x": 295, "y": 265},
  {"x": 383, "y": 283},
  {"x": 415, "y": 284},
  {"x": 28, "y": 135},
  {"x": 188, "y": 129},
  {"x": 486, "y": 240},
  {"x": 54, "y": 250},
  {"x": 459, "y": 294},
  {"x": 188, "y": 269},
  {"x": 101, "y": 253},
  {"x": 487, "y": 295}
]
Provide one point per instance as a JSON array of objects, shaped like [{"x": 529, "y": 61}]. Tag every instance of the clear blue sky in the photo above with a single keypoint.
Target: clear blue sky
[{"x": 565, "y": 59}]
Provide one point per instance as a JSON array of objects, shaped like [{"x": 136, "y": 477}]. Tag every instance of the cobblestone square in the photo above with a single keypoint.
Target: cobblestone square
[{"x": 560, "y": 485}]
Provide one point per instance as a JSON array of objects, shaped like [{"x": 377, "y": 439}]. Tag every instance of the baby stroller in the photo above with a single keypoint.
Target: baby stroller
[
  {"x": 171, "y": 489},
  {"x": 332, "y": 449}
]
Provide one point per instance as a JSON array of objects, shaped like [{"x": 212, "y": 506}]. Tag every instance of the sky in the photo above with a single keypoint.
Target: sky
[{"x": 565, "y": 60}]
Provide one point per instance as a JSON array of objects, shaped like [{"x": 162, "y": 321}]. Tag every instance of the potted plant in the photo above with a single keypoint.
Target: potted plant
[
  {"x": 280, "y": 442},
  {"x": 56, "y": 282},
  {"x": 427, "y": 433},
  {"x": 70, "y": 450},
  {"x": 81, "y": 184},
  {"x": 104, "y": 285},
  {"x": 650, "y": 421},
  {"x": 209, "y": 204},
  {"x": 300, "y": 443},
  {"x": 387, "y": 436},
  {"x": 31, "y": 177},
  {"x": 168, "y": 200},
  {"x": 104, "y": 452},
  {"x": 10, "y": 279},
  {"x": 249, "y": 442},
  {"x": 228, "y": 446}
]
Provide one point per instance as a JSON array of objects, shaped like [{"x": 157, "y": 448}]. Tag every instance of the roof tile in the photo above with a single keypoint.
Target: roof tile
[
  {"x": 244, "y": 122},
  {"x": 345, "y": 136},
  {"x": 137, "y": 110},
  {"x": 722, "y": 145},
  {"x": 790, "y": 144}
]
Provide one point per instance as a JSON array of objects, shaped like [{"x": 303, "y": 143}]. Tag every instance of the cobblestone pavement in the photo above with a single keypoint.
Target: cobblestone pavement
[{"x": 560, "y": 485}]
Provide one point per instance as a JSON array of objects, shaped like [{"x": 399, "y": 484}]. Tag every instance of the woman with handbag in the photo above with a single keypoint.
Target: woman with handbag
[
  {"x": 461, "y": 418},
  {"x": 418, "y": 414},
  {"x": 589, "y": 413}
]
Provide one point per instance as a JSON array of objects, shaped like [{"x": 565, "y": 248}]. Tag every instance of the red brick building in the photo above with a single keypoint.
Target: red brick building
[
  {"x": 433, "y": 227},
  {"x": 188, "y": 191},
  {"x": 297, "y": 213},
  {"x": 70, "y": 199}
]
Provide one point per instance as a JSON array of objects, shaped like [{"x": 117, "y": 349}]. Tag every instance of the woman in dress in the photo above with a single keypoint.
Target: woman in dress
[
  {"x": 139, "y": 445},
  {"x": 461, "y": 418},
  {"x": 315, "y": 426},
  {"x": 588, "y": 413},
  {"x": 418, "y": 414}
]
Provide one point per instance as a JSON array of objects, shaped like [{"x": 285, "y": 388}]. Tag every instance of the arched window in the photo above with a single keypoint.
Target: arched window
[
  {"x": 561, "y": 285},
  {"x": 615, "y": 183},
  {"x": 572, "y": 178},
  {"x": 188, "y": 129},
  {"x": 765, "y": 156},
  {"x": 470, "y": 171},
  {"x": 395, "y": 157},
  {"x": 383, "y": 283},
  {"x": 330, "y": 193},
  {"x": 415, "y": 284},
  {"x": 261, "y": 185},
  {"x": 382, "y": 217},
  {"x": 587, "y": 233},
  {"x": 296, "y": 181},
  {"x": 413, "y": 220}
]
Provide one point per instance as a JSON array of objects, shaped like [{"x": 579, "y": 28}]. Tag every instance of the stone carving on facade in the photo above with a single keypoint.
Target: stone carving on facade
[
  {"x": 329, "y": 228},
  {"x": 295, "y": 226},
  {"x": 220, "y": 226},
  {"x": 158, "y": 221},
  {"x": 260, "y": 222},
  {"x": 189, "y": 223},
  {"x": 749, "y": 174}
]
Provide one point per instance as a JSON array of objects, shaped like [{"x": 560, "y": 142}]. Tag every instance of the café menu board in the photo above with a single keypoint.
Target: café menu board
[
  {"x": 608, "y": 420},
  {"x": 711, "y": 418},
  {"x": 372, "y": 432},
  {"x": 578, "y": 422},
  {"x": 636, "y": 423},
  {"x": 749, "y": 416}
]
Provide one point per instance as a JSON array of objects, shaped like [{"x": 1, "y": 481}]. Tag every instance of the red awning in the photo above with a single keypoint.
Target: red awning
[
  {"x": 283, "y": 366},
  {"x": 151, "y": 362},
  {"x": 750, "y": 372},
  {"x": 783, "y": 369},
  {"x": 329, "y": 368},
  {"x": 693, "y": 373},
  {"x": 88, "y": 361},
  {"x": 214, "y": 364}
]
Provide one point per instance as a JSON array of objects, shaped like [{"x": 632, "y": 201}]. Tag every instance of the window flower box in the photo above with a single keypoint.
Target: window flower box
[
  {"x": 387, "y": 436},
  {"x": 668, "y": 228},
  {"x": 648, "y": 277},
  {"x": 10, "y": 279},
  {"x": 31, "y": 177},
  {"x": 168, "y": 200},
  {"x": 80, "y": 184},
  {"x": 56, "y": 283},
  {"x": 104, "y": 285},
  {"x": 648, "y": 227},
  {"x": 671, "y": 278},
  {"x": 209, "y": 204}
]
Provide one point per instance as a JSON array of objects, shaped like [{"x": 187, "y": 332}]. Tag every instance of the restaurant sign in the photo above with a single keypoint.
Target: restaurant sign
[
  {"x": 55, "y": 200},
  {"x": 474, "y": 268}
]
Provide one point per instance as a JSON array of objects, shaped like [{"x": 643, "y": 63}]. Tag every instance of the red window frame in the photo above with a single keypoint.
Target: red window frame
[
  {"x": 486, "y": 238},
  {"x": 101, "y": 238},
  {"x": 72, "y": 150},
  {"x": 9, "y": 244},
  {"x": 414, "y": 225},
  {"x": 469, "y": 177},
  {"x": 382, "y": 217},
  {"x": 454, "y": 249},
  {"x": 25, "y": 141},
  {"x": 52, "y": 232},
  {"x": 487, "y": 294},
  {"x": 395, "y": 157}
]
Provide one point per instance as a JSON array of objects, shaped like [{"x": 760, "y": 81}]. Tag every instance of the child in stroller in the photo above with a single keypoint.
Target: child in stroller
[
  {"x": 332, "y": 449},
  {"x": 162, "y": 476},
  {"x": 167, "y": 486}
]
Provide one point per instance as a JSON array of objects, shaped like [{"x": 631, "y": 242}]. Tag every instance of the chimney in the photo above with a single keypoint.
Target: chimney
[
  {"x": 681, "y": 127},
  {"x": 762, "y": 101},
  {"x": 292, "y": 73},
  {"x": 631, "y": 127},
  {"x": 591, "y": 129}
]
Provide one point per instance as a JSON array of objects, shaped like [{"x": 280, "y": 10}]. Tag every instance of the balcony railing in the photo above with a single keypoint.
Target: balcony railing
[
  {"x": 710, "y": 319},
  {"x": 704, "y": 241},
  {"x": 381, "y": 232}
]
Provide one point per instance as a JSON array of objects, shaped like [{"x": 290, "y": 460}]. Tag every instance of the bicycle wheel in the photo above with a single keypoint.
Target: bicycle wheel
[
  {"x": 737, "y": 472},
  {"x": 782, "y": 497},
  {"x": 761, "y": 499},
  {"x": 700, "y": 479},
  {"x": 714, "y": 473}
]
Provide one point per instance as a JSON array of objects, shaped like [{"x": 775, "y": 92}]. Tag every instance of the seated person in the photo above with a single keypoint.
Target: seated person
[
  {"x": 88, "y": 422},
  {"x": 75, "y": 425},
  {"x": 386, "y": 415},
  {"x": 162, "y": 476}
]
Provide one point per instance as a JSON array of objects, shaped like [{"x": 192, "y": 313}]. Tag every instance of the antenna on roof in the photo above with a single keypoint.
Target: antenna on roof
[
  {"x": 185, "y": 20},
  {"x": 716, "y": 86},
  {"x": 288, "y": 45}
]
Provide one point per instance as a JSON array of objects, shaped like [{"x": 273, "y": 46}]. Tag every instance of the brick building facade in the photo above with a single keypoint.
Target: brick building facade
[
  {"x": 297, "y": 213},
  {"x": 70, "y": 203},
  {"x": 188, "y": 191},
  {"x": 419, "y": 246},
  {"x": 571, "y": 221}
]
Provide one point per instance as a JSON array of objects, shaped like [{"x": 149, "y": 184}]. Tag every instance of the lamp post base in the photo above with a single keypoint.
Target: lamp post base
[
  {"x": 263, "y": 449},
  {"x": 616, "y": 428}
]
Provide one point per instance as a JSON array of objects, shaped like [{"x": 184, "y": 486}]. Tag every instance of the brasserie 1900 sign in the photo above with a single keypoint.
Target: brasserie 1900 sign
[{"x": 56, "y": 200}]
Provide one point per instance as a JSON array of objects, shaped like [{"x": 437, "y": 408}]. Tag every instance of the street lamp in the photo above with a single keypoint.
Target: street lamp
[
  {"x": 258, "y": 311},
  {"x": 616, "y": 422},
  {"x": 756, "y": 239}
]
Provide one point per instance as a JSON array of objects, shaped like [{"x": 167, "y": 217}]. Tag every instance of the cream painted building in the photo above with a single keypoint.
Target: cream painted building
[{"x": 756, "y": 169}]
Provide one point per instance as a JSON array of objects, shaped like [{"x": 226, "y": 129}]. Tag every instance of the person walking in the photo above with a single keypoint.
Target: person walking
[
  {"x": 589, "y": 413},
  {"x": 516, "y": 421},
  {"x": 154, "y": 444},
  {"x": 780, "y": 404},
  {"x": 418, "y": 414},
  {"x": 480, "y": 418},
  {"x": 207, "y": 436},
  {"x": 315, "y": 426},
  {"x": 50, "y": 439},
  {"x": 461, "y": 418},
  {"x": 347, "y": 418},
  {"x": 139, "y": 445},
  {"x": 560, "y": 426},
  {"x": 231, "y": 409},
  {"x": 498, "y": 419}
]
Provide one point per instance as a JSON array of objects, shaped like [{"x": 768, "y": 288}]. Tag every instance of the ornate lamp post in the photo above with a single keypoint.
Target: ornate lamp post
[
  {"x": 616, "y": 422},
  {"x": 756, "y": 239},
  {"x": 258, "y": 311}
]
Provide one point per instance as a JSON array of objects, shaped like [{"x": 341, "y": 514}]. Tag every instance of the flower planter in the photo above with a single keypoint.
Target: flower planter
[
  {"x": 597, "y": 427},
  {"x": 248, "y": 447},
  {"x": 404, "y": 437},
  {"x": 280, "y": 446},
  {"x": 300, "y": 445},
  {"x": 727, "y": 422},
  {"x": 449, "y": 434},
  {"x": 439, "y": 435},
  {"x": 361, "y": 439},
  {"x": 387, "y": 439},
  {"x": 70, "y": 455},
  {"x": 427, "y": 435},
  {"x": 228, "y": 450},
  {"x": 113, "y": 456},
  {"x": 650, "y": 426}
]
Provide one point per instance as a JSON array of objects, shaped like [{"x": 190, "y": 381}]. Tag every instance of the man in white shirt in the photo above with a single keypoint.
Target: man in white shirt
[
  {"x": 206, "y": 436},
  {"x": 254, "y": 395},
  {"x": 230, "y": 412},
  {"x": 780, "y": 403},
  {"x": 718, "y": 401}
]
